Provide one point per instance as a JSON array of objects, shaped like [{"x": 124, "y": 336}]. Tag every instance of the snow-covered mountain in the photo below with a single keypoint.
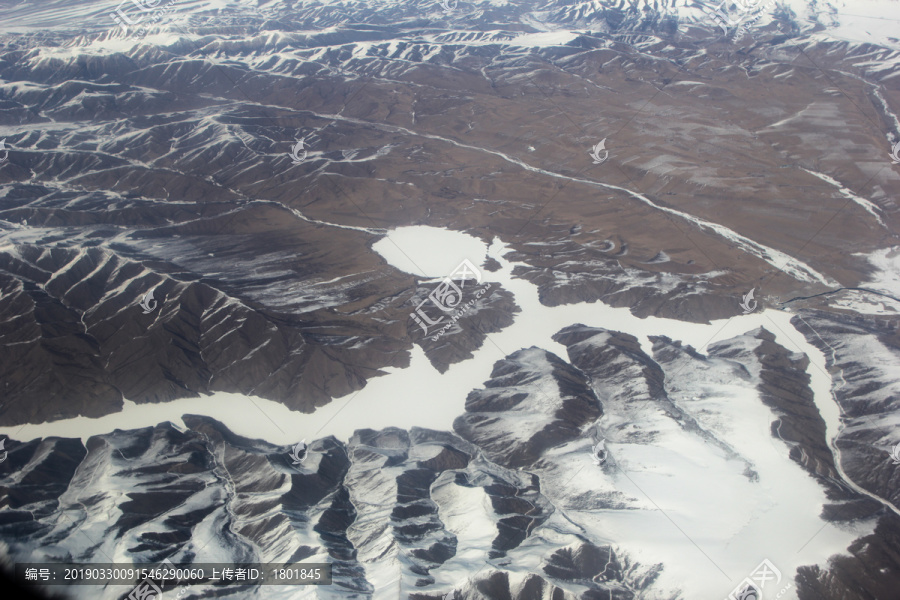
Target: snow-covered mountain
[
  {"x": 186, "y": 290},
  {"x": 509, "y": 501}
]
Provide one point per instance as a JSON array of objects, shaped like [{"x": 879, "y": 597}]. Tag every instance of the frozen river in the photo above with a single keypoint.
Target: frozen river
[{"x": 720, "y": 530}]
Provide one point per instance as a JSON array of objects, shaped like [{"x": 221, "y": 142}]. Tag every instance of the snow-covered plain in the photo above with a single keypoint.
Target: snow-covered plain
[{"x": 706, "y": 540}]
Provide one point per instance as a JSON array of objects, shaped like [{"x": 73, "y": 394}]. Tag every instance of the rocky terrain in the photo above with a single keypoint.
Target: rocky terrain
[
  {"x": 163, "y": 158},
  {"x": 163, "y": 163},
  {"x": 503, "y": 506},
  {"x": 391, "y": 503}
]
